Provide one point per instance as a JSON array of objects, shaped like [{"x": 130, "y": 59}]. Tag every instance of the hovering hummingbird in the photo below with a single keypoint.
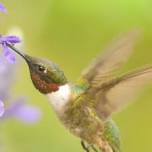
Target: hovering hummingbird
[{"x": 86, "y": 106}]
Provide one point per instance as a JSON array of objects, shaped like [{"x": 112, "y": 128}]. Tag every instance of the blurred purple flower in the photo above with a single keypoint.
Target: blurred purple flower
[
  {"x": 7, "y": 77},
  {"x": 4, "y": 40},
  {"x": 2, "y": 8},
  {"x": 17, "y": 109},
  {"x": 28, "y": 114},
  {"x": 23, "y": 112},
  {"x": 8, "y": 53},
  {"x": 1, "y": 108},
  {"x": 9, "y": 39}
]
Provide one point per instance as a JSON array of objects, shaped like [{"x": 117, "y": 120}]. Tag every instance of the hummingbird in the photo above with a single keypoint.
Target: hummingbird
[{"x": 86, "y": 106}]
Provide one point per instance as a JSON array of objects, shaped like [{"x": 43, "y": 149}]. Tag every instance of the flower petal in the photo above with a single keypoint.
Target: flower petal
[
  {"x": 13, "y": 39},
  {"x": 9, "y": 39},
  {"x": 7, "y": 77},
  {"x": 10, "y": 55},
  {"x": 23, "y": 112},
  {"x": 11, "y": 58},
  {"x": 1, "y": 108},
  {"x": 28, "y": 114},
  {"x": 2, "y": 8}
]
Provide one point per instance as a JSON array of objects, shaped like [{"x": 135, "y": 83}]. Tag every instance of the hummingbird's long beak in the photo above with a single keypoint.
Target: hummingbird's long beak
[{"x": 18, "y": 52}]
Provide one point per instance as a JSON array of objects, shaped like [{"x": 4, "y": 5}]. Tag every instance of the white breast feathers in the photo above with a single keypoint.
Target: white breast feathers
[{"x": 59, "y": 98}]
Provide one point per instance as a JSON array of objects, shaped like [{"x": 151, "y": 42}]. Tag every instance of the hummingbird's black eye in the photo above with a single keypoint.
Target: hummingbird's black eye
[{"x": 42, "y": 69}]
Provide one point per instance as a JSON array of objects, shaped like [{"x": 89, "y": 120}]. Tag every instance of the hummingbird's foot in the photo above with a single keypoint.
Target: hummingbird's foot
[
  {"x": 94, "y": 148},
  {"x": 85, "y": 146}
]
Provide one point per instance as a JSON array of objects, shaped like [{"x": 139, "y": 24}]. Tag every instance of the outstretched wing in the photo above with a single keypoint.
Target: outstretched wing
[
  {"x": 115, "y": 94},
  {"x": 104, "y": 66}
]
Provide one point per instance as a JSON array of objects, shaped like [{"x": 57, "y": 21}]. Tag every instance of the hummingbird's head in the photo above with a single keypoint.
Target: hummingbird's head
[{"x": 46, "y": 76}]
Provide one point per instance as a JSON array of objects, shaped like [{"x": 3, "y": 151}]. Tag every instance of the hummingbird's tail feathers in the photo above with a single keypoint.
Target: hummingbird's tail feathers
[
  {"x": 115, "y": 56},
  {"x": 118, "y": 92},
  {"x": 112, "y": 135}
]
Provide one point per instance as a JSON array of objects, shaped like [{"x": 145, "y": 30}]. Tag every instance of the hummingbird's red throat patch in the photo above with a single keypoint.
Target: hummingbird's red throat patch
[{"x": 42, "y": 85}]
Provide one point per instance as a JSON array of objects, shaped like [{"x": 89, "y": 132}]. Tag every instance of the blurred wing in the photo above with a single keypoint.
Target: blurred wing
[
  {"x": 114, "y": 57},
  {"x": 114, "y": 95}
]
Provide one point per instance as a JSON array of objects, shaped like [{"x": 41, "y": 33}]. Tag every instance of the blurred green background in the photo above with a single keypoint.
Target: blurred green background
[{"x": 71, "y": 33}]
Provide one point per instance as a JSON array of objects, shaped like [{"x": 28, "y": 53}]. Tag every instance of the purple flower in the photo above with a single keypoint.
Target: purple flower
[
  {"x": 9, "y": 39},
  {"x": 7, "y": 77},
  {"x": 10, "y": 56},
  {"x": 2, "y": 8},
  {"x": 28, "y": 114},
  {"x": 1, "y": 108},
  {"x": 8, "y": 53},
  {"x": 19, "y": 108},
  {"x": 4, "y": 40},
  {"x": 23, "y": 112}
]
